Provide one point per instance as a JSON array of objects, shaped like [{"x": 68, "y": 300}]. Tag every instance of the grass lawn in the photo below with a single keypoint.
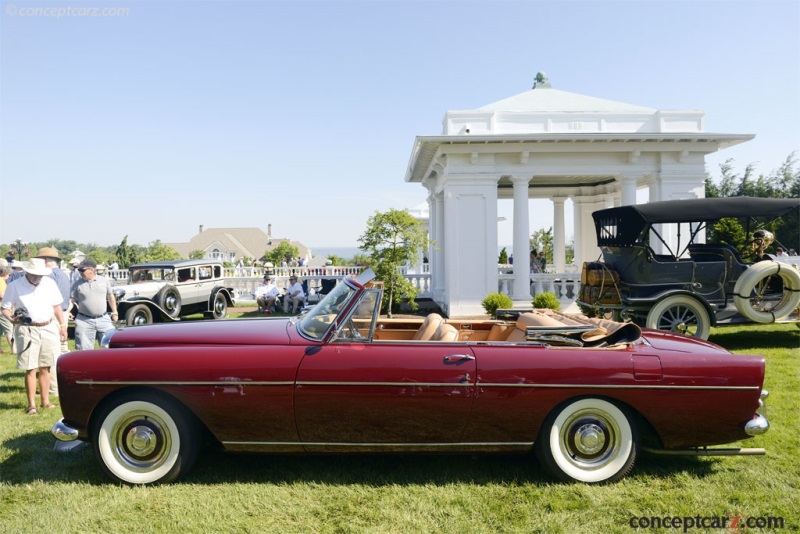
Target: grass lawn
[{"x": 45, "y": 491}]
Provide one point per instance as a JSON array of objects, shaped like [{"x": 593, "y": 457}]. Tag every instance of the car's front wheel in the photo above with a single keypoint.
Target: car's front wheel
[
  {"x": 680, "y": 314},
  {"x": 138, "y": 315},
  {"x": 588, "y": 440},
  {"x": 142, "y": 438}
]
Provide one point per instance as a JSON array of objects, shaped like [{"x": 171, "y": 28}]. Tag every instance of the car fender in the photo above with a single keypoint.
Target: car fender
[
  {"x": 649, "y": 302},
  {"x": 228, "y": 292},
  {"x": 157, "y": 310}
]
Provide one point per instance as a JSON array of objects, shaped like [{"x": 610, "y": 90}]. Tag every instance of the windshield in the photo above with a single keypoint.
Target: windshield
[{"x": 320, "y": 318}]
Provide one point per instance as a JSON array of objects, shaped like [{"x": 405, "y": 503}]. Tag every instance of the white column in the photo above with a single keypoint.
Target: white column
[
  {"x": 437, "y": 256},
  {"x": 628, "y": 190},
  {"x": 522, "y": 258},
  {"x": 470, "y": 237},
  {"x": 559, "y": 237},
  {"x": 577, "y": 225}
]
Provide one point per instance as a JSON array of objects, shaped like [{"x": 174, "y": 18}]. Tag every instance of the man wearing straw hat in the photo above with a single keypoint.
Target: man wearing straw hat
[
  {"x": 53, "y": 262},
  {"x": 36, "y": 299}
]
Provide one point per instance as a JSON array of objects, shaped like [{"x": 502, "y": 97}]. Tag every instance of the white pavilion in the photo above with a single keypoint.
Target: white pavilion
[{"x": 545, "y": 144}]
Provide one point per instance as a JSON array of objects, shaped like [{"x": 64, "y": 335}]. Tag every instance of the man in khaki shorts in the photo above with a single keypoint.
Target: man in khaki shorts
[{"x": 36, "y": 300}]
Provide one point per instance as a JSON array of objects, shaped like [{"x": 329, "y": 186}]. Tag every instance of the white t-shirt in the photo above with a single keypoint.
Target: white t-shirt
[
  {"x": 38, "y": 300},
  {"x": 268, "y": 290},
  {"x": 296, "y": 287}
]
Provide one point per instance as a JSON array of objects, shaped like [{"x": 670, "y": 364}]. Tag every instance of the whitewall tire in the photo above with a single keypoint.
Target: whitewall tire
[
  {"x": 680, "y": 314},
  {"x": 753, "y": 297},
  {"x": 142, "y": 438},
  {"x": 588, "y": 440}
]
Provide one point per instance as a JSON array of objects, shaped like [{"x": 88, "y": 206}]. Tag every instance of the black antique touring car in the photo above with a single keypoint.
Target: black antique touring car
[{"x": 687, "y": 285}]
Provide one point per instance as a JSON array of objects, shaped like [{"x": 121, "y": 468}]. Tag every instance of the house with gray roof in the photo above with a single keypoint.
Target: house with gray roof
[{"x": 233, "y": 244}]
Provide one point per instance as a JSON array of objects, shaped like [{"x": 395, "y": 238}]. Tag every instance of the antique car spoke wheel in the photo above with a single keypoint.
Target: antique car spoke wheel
[
  {"x": 680, "y": 314},
  {"x": 138, "y": 315},
  {"x": 589, "y": 440},
  {"x": 220, "y": 306},
  {"x": 143, "y": 439}
]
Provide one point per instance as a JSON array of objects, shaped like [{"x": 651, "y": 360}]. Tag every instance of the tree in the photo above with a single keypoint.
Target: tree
[
  {"x": 783, "y": 182},
  {"x": 197, "y": 254},
  {"x": 157, "y": 251},
  {"x": 503, "y": 258},
  {"x": 362, "y": 260},
  {"x": 392, "y": 239},
  {"x": 336, "y": 260},
  {"x": 127, "y": 255},
  {"x": 542, "y": 242},
  {"x": 284, "y": 251}
]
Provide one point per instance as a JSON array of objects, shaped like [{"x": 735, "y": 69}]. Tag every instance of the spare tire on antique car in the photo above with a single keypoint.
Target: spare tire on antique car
[
  {"x": 759, "y": 298},
  {"x": 169, "y": 300}
]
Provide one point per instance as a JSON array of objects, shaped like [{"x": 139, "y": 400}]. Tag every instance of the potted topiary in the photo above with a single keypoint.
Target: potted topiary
[
  {"x": 546, "y": 300},
  {"x": 495, "y": 301}
]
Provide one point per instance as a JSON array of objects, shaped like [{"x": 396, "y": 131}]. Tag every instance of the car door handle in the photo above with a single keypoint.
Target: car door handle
[{"x": 458, "y": 358}]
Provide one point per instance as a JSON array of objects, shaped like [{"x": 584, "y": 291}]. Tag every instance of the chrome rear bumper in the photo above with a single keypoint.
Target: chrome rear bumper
[
  {"x": 757, "y": 426},
  {"x": 63, "y": 432}
]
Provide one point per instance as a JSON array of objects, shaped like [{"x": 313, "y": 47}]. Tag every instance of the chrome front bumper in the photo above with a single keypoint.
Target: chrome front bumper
[{"x": 63, "y": 432}]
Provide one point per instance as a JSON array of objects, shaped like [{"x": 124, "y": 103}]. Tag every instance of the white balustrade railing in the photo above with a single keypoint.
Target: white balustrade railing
[
  {"x": 563, "y": 285},
  {"x": 245, "y": 280}
]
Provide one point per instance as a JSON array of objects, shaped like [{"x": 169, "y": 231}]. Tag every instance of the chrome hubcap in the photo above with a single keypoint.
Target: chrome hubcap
[
  {"x": 590, "y": 439},
  {"x": 141, "y": 440}
]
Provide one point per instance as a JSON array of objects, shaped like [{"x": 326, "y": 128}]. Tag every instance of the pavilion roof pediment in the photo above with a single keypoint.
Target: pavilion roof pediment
[{"x": 548, "y": 100}]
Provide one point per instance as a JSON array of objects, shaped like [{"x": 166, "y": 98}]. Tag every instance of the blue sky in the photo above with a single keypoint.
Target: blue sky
[{"x": 303, "y": 114}]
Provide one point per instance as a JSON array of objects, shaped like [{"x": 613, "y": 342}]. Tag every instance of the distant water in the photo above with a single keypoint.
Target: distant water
[{"x": 343, "y": 252}]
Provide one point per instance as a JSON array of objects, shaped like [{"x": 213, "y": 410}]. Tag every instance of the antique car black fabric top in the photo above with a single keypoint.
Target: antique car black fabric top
[{"x": 622, "y": 226}]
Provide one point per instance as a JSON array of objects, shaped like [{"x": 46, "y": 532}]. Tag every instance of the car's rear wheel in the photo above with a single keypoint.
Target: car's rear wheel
[
  {"x": 588, "y": 440},
  {"x": 169, "y": 299},
  {"x": 143, "y": 438},
  {"x": 138, "y": 315},
  {"x": 680, "y": 314},
  {"x": 220, "y": 308}
]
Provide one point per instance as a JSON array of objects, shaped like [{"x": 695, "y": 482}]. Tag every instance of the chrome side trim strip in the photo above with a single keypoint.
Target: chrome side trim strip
[
  {"x": 386, "y": 445},
  {"x": 219, "y": 383},
  {"x": 613, "y": 386},
  {"x": 391, "y": 384},
  {"x": 405, "y": 384}
]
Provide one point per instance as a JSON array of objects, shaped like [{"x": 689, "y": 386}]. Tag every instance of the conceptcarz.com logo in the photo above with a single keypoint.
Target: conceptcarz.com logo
[{"x": 730, "y": 523}]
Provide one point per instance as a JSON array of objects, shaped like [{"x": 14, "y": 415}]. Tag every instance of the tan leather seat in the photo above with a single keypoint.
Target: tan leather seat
[
  {"x": 429, "y": 327},
  {"x": 446, "y": 332},
  {"x": 500, "y": 332}
]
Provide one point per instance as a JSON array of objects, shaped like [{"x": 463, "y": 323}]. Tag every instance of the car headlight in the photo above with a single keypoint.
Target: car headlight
[{"x": 119, "y": 294}]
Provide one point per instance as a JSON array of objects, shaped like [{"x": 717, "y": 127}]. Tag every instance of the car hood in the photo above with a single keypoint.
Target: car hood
[
  {"x": 147, "y": 288},
  {"x": 229, "y": 332}
]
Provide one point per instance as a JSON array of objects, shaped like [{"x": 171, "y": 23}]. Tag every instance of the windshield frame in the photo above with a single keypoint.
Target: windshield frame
[{"x": 319, "y": 320}]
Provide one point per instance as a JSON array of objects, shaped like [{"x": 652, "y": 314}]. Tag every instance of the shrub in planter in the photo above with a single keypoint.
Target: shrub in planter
[
  {"x": 546, "y": 300},
  {"x": 495, "y": 301}
]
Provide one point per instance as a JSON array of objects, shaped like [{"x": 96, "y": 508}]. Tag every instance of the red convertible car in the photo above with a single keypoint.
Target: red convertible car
[{"x": 584, "y": 394}]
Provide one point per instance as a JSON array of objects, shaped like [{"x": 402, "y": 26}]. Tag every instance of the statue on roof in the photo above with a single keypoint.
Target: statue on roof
[{"x": 540, "y": 80}]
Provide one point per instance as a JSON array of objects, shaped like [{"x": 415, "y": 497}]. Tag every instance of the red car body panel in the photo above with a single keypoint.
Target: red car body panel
[{"x": 259, "y": 383}]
